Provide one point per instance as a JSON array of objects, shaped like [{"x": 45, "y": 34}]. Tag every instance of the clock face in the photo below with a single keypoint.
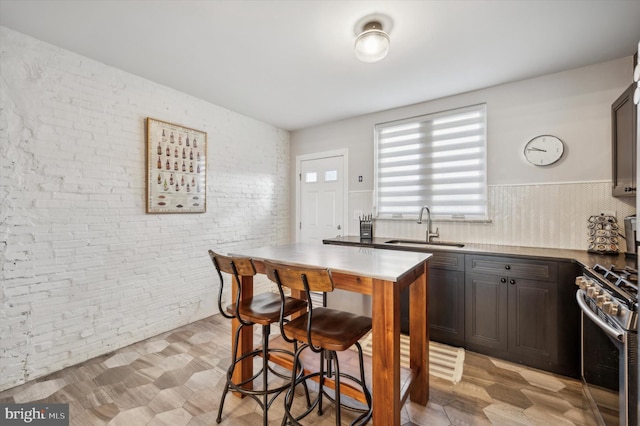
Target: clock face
[{"x": 543, "y": 150}]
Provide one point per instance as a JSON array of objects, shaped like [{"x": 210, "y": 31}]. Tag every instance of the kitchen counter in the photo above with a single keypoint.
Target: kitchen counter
[
  {"x": 582, "y": 257},
  {"x": 471, "y": 305}
]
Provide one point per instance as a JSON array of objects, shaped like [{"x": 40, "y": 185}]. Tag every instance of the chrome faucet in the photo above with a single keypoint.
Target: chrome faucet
[{"x": 430, "y": 234}]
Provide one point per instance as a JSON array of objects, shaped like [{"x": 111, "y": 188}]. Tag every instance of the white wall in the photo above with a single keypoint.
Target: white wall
[
  {"x": 84, "y": 269},
  {"x": 573, "y": 105}
]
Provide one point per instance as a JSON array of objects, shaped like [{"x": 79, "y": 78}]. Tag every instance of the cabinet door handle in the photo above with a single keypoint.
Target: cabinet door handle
[
  {"x": 512, "y": 282},
  {"x": 503, "y": 280},
  {"x": 507, "y": 267}
]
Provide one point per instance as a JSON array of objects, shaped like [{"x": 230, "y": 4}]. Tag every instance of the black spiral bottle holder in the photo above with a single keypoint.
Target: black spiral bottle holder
[{"x": 603, "y": 234}]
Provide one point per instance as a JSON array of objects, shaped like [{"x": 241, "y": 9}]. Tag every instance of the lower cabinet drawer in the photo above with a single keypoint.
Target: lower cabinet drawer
[
  {"x": 512, "y": 267},
  {"x": 447, "y": 261}
]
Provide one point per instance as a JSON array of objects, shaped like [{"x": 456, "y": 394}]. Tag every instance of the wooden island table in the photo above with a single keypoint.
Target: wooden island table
[{"x": 383, "y": 274}]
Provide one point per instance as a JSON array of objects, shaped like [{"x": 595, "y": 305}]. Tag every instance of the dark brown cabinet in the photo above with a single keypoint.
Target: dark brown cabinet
[
  {"x": 518, "y": 308},
  {"x": 533, "y": 322},
  {"x": 446, "y": 299},
  {"x": 623, "y": 137},
  {"x": 486, "y": 313},
  {"x": 512, "y": 309}
]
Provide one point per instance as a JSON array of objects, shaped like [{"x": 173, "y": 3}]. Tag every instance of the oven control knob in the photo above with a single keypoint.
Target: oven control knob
[
  {"x": 602, "y": 299},
  {"x": 583, "y": 282},
  {"x": 593, "y": 291},
  {"x": 610, "y": 308}
]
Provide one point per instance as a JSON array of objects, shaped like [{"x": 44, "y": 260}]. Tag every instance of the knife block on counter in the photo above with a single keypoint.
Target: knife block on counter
[{"x": 366, "y": 230}]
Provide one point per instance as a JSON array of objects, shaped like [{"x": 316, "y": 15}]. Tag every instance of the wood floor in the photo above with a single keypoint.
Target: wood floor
[{"x": 177, "y": 378}]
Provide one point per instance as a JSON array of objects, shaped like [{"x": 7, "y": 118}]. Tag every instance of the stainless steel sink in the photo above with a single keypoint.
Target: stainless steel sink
[{"x": 424, "y": 243}]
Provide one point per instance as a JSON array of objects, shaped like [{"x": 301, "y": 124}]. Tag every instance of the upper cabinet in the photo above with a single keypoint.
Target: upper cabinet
[{"x": 623, "y": 137}]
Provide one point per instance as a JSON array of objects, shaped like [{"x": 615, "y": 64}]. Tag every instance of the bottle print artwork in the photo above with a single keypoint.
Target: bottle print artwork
[{"x": 174, "y": 184}]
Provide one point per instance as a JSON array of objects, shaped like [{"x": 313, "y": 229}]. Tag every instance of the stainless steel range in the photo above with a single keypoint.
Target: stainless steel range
[{"x": 608, "y": 299}]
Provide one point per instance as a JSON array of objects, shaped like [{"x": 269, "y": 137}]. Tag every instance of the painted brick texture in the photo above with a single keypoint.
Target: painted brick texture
[{"x": 84, "y": 269}]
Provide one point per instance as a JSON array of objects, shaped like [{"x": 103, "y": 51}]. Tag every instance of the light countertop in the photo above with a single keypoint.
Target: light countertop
[{"x": 388, "y": 265}]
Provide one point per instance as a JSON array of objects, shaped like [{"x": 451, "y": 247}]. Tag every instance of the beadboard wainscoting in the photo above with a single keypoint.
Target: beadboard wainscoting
[{"x": 548, "y": 215}]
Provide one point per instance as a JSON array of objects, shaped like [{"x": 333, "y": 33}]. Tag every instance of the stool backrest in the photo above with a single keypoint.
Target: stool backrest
[
  {"x": 234, "y": 265},
  {"x": 237, "y": 267},
  {"x": 299, "y": 278}
]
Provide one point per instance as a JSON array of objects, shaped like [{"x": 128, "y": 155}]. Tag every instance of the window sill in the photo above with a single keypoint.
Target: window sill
[{"x": 433, "y": 220}]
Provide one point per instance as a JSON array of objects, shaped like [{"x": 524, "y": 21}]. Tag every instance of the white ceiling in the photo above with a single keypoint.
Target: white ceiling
[{"x": 291, "y": 63}]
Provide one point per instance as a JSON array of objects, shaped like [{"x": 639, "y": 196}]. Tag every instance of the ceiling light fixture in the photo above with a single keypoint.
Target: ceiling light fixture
[{"x": 372, "y": 43}]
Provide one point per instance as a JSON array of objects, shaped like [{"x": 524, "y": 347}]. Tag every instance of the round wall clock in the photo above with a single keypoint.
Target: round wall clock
[{"x": 543, "y": 150}]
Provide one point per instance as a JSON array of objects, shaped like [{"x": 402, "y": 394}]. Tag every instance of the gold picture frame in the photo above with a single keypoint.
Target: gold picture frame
[{"x": 176, "y": 168}]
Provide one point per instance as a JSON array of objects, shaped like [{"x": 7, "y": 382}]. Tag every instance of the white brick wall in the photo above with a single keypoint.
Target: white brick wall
[{"x": 84, "y": 269}]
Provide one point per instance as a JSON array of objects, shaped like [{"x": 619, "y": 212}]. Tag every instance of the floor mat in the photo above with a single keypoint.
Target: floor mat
[{"x": 445, "y": 361}]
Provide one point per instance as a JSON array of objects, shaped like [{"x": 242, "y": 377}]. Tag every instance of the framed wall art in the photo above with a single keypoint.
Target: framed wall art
[{"x": 176, "y": 168}]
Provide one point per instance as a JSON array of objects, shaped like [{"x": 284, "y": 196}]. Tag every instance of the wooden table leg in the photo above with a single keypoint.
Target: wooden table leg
[
  {"x": 386, "y": 353},
  {"x": 419, "y": 333},
  {"x": 245, "y": 341}
]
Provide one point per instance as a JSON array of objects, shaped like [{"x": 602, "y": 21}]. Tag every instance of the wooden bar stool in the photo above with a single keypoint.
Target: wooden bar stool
[
  {"x": 324, "y": 331},
  {"x": 262, "y": 309}
]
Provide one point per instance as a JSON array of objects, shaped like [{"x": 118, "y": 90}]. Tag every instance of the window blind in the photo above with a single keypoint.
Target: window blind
[{"x": 436, "y": 160}]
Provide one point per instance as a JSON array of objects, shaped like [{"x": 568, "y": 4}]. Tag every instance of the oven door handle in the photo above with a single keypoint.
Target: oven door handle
[{"x": 612, "y": 332}]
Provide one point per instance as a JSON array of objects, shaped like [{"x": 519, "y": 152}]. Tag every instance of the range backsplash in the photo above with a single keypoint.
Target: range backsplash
[{"x": 549, "y": 215}]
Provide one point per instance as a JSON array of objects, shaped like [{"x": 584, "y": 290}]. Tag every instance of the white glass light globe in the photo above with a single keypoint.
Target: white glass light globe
[{"x": 372, "y": 45}]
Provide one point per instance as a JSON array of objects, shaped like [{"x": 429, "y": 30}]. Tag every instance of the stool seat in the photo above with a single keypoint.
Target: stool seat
[
  {"x": 264, "y": 308},
  {"x": 330, "y": 328}
]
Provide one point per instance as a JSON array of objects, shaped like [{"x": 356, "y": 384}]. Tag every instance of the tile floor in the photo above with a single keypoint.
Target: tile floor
[{"x": 176, "y": 378}]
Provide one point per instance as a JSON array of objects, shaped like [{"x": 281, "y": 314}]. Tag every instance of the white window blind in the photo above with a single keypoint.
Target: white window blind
[{"x": 436, "y": 160}]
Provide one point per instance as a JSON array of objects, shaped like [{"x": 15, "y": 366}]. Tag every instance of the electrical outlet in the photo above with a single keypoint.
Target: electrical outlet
[{"x": 608, "y": 213}]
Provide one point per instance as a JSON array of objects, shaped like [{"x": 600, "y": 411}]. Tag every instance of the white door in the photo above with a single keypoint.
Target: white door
[{"x": 321, "y": 198}]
